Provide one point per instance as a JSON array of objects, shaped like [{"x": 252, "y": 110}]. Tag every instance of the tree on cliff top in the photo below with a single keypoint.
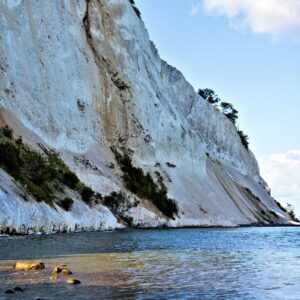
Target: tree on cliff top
[
  {"x": 227, "y": 109},
  {"x": 209, "y": 95},
  {"x": 230, "y": 112},
  {"x": 137, "y": 11}
]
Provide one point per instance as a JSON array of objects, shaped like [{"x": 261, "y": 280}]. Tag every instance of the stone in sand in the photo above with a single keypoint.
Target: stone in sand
[
  {"x": 72, "y": 281},
  {"x": 57, "y": 269},
  {"x": 29, "y": 265},
  {"x": 61, "y": 269},
  {"x": 9, "y": 292},
  {"x": 66, "y": 271}
]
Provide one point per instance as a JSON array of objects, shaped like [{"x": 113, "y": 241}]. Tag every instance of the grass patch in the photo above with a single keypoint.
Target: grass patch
[{"x": 145, "y": 187}]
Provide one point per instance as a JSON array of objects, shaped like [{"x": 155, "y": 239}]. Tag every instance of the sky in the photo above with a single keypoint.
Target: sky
[{"x": 248, "y": 53}]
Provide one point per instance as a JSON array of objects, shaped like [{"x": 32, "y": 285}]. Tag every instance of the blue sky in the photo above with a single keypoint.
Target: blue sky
[{"x": 248, "y": 52}]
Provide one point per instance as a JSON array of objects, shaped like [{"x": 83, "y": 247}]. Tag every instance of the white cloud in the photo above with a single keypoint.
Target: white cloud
[
  {"x": 275, "y": 17},
  {"x": 282, "y": 173},
  {"x": 195, "y": 9}
]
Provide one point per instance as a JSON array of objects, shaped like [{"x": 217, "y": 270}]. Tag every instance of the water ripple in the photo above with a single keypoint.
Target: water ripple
[{"x": 244, "y": 263}]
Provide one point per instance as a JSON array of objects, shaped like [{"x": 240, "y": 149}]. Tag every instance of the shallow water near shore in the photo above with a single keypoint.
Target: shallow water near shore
[{"x": 241, "y": 263}]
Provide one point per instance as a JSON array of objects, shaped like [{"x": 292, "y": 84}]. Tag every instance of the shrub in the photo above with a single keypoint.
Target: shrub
[
  {"x": 280, "y": 206},
  {"x": 39, "y": 193},
  {"x": 7, "y": 132},
  {"x": 19, "y": 140},
  {"x": 117, "y": 202},
  {"x": 60, "y": 170},
  {"x": 127, "y": 219},
  {"x": 209, "y": 95},
  {"x": 10, "y": 157},
  {"x": 290, "y": 210},
  {"x": 170, "y": 165},
  {"x": 244, "y": 139},
  {"x": 229, "y": 111},
  {"x": 98, "y": 198},
  {"x": 144, "y": 186},
  {"x": 136, "y": 10},
  {"x": 70, "y": 179},
  {"x": 66, "y": 204},
  {"x": 36, "y": 167},
  {"x": 87, "y": 193},
  {"x": 41, "y": 175}
]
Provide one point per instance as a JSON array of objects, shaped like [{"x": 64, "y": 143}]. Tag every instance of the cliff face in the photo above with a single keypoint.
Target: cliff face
[{"x": 82, "y": 76}]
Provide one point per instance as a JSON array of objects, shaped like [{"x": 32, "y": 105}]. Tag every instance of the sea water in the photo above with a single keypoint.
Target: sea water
[{"x": 240, "y": 263}]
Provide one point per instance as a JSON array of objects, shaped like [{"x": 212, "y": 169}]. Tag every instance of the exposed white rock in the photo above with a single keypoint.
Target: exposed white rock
[
  {"x": 81, "y": 76},
  {"x": 17, "y": 215}
]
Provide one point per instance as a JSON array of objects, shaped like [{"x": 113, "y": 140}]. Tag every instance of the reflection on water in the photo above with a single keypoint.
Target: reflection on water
[{"x": 244, "y": 263}]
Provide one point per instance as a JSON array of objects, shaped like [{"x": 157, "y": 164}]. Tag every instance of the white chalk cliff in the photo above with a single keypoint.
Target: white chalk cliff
[{"x": 81, "y": 76}]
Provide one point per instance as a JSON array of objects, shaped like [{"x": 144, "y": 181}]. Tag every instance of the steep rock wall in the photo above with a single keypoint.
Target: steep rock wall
[{"x": 82, "y": 76}]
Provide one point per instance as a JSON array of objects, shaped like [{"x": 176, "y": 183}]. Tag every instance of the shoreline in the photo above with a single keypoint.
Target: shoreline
[{"x": 126, "y": 229}]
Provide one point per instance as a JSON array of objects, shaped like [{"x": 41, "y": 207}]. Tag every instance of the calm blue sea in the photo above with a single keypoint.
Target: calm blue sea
[{"x": 242, "y": 263}]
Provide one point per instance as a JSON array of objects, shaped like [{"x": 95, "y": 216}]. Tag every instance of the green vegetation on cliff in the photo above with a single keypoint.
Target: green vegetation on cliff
[
  {"x": 41, "y": 174},
  {"x": 227, "y": 109},
  {"x": 145, "y": 187},
  {"x": 136, "y": 10}
]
